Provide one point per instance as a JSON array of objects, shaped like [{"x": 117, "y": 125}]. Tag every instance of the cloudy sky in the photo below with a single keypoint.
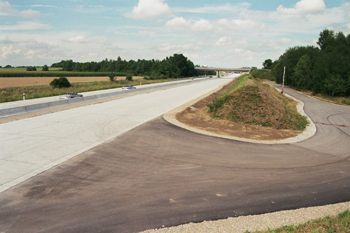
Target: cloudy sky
[{"x": 221, "y": 33}]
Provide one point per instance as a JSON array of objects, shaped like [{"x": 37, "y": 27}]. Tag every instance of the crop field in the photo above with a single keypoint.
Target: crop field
[
  {"x": 9, "y": 70},
  {"x": 41, "y": 81}
]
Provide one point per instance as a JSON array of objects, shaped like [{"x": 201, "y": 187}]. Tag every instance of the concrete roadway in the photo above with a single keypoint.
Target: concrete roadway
[{"x": 160, "y": 175}]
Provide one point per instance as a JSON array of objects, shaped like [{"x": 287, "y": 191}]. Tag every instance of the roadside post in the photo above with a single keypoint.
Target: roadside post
[
  {"x": 284, "y": 74},
  {"x": 24, "y": 96}
]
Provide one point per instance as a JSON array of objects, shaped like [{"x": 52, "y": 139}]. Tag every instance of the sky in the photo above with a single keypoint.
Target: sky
[{"x": 224, "y": 33}]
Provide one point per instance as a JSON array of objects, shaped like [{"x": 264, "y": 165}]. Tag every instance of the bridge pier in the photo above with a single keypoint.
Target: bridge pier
[{"x": 217, "y": 74}]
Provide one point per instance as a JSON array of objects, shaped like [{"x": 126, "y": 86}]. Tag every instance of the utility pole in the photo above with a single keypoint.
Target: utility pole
[{"x": 284, "y": 74}]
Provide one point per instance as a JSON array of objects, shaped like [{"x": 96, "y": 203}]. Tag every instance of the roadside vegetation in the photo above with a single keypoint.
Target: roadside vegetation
[
  {"x": 16, "y": 93},
  {"x": 323, "y": 71},
  {"x": 339, "y": 223},
  {"x": 250, "y": 101},
  {"x": 267, "y": 75}
]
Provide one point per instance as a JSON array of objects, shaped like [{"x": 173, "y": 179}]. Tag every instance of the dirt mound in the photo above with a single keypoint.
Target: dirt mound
[
  {"x": 265, "y": 107},
  {"x": 254, "y": 104}
]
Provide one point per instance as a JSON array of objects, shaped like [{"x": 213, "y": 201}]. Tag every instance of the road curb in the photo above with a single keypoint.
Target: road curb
[{"x": 306, "y": 134}]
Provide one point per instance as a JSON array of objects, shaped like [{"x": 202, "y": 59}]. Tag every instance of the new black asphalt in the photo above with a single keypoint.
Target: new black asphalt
[{"x": 161, "y": 175}]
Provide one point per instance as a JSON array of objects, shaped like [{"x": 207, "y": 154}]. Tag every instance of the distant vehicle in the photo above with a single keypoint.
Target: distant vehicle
[
  {"x": 128, "y": 87},
  {"x": 70, "y": 95}
]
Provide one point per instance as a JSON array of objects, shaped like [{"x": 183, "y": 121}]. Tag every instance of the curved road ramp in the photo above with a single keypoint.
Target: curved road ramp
[{"x": 118, "y": 166}]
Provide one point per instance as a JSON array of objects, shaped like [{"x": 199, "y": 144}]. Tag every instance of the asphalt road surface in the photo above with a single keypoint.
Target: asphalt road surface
[{"x": 159, "y": 175}]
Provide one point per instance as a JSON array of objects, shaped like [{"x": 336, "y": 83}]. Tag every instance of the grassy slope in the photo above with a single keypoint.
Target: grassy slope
[{"x": 249, "y": 101}]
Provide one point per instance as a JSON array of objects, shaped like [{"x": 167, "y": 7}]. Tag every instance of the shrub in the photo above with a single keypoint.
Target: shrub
[
  {"x": 111, "y": 78},
  {"x": 129, "y": 78},
  {"x": 45, "y": 68},
  {"x": 61, "y": 82},
  {"x": 31, "y": 68}
]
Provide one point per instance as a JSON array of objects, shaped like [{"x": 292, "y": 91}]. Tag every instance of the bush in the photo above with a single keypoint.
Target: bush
[
  {"x": 62, "y": 82},
  {"x": 45, "y": 68},
  {"x": 263, "y": 74},
  {"x": 31, "y": 68},
  {"x": 111, "y": 78},
  {"x": 129, "y": 78}
]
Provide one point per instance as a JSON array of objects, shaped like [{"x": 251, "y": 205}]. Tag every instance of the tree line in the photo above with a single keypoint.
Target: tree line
[
  {"x": 324, "y": 69},
  {"x": 176, "y": 66}
]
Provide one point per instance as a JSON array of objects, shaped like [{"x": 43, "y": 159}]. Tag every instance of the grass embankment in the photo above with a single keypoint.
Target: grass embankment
[
  {"x": 16, "y": 93},
  {"x": 250, "y": 101},
  {"x": 340, "y": 223}
]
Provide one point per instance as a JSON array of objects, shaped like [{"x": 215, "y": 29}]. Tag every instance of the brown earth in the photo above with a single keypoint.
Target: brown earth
[
  {"x": 39, "y": 81},
  {"x": 196, "y": 116}
]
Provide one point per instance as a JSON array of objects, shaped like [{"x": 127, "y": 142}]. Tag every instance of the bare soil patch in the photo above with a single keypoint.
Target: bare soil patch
[
  {"x": 196, "y": 116},
  {"x": 40, "y": 81}
]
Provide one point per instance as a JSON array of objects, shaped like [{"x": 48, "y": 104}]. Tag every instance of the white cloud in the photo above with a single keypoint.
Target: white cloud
[
  {"x": 240, "y": 24},
  {"x": 179, "y": 23},
  {"x": 7, "y": 10},
  {"x": 149, "y": 9},
  {"x": 30, "y": 54},
  {"x": 304, "y": 7},
  {"x": 25, "y": 25},
  {"x": 202, "y": 25},
  {"x": 29, "y": 13},
  {"x": 8, "y": 50},
  {"x": 78, "y": 40},
  {"x": 224, "y": 41},
  {"x": 346, "y": 9},
  {"x": 173, "y": 48},
  {"x": 216, "y": 9}
]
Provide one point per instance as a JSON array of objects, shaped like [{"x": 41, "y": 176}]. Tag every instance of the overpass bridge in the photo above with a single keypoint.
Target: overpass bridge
[{"x": 217, "y": 70}]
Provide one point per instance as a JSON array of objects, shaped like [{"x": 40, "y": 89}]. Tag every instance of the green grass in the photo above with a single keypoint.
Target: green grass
[
  {"x": 339, "y": 223},
  {"x": 257, "y": 104},
  {"x": 218, "y": 102},
  {"x": 16, "y": 93}
]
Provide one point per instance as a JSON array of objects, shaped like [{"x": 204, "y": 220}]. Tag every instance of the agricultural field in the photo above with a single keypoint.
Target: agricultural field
[
  {"x": 24, "y": 69},
  {"x": 6, "y": 82}
]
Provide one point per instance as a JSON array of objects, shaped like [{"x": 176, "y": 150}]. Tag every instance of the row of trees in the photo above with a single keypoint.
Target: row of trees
[
  {"x": 324, "y": 69},
  {"x": 176, "y": 66}
]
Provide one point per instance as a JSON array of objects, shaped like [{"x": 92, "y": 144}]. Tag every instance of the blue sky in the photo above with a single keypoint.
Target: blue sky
[{"x": 221, "y": 33}]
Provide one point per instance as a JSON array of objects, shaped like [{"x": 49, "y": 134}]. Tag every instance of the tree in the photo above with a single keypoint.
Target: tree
[
  {"x": 61, "y": 82},
  {"x": 303, "y": 72},
  {"x": 111, "y": 77},
  {"x": 45, "y": 68},
  {"x": 267, "y": 64},
  {"x": 326, "y": 38},
  {"x": 31, "y": 68},
  {"x": 68, "y": 65},
  {"x": 336, "y": 85}
]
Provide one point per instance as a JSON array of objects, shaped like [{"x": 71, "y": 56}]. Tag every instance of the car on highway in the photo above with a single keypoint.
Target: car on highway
[
  {"x": 70, "y": 95},
  {"x": 128, "y": 87}
]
